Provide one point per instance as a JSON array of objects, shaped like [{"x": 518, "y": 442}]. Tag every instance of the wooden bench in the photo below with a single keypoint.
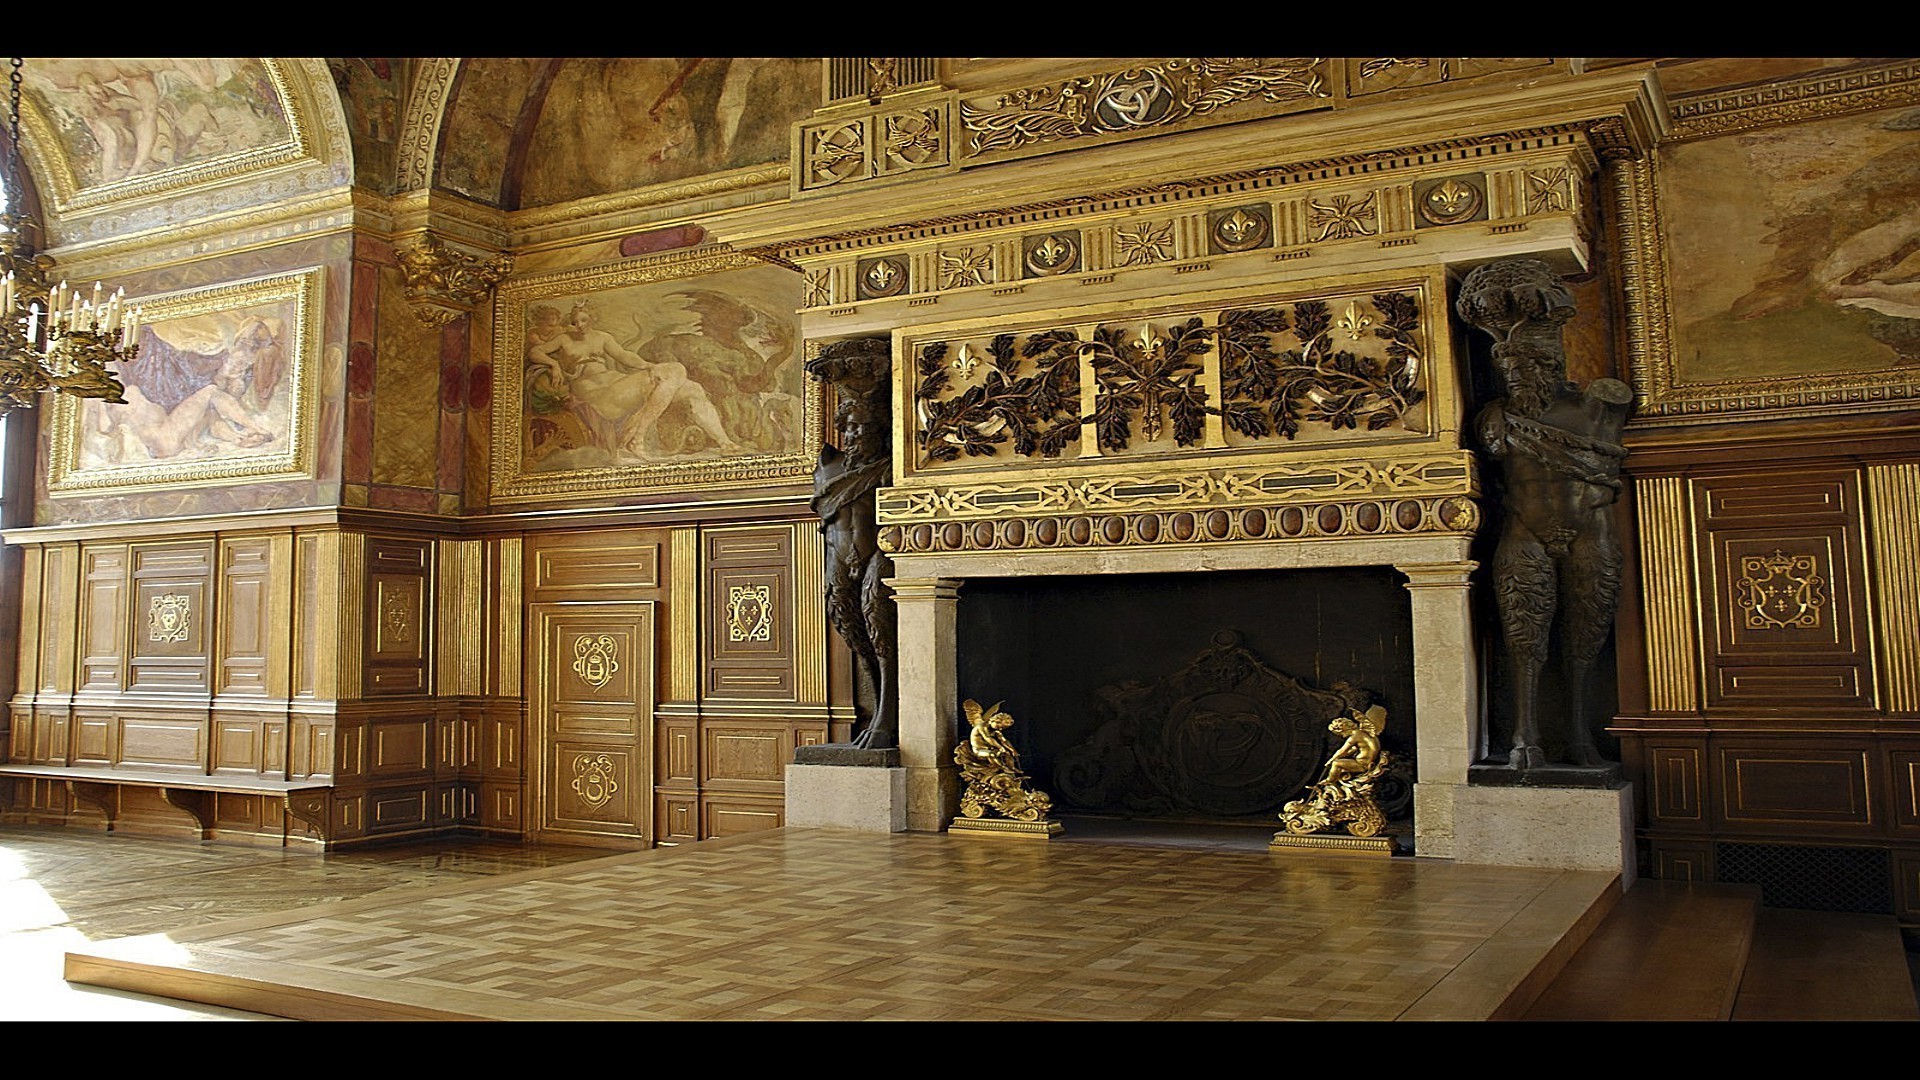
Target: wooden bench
[{"x": 194, "y": 793}]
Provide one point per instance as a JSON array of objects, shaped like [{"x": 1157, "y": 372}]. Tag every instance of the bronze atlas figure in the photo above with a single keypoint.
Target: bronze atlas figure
[
  {"x": 1558, "y": 559},
  {"x": 843, "y": 485}
]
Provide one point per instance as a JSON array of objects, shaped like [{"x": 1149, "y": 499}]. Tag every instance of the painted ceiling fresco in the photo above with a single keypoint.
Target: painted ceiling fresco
[
  {"x": 119, "y": 119},
  {"x": 534, "y": 132}
]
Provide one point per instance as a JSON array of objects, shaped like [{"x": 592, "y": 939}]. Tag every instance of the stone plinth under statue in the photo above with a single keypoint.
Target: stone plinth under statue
[{"x": 842, "y": 786}]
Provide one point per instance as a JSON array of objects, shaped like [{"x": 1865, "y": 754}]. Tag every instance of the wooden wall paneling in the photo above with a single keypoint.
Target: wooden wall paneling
[
  {"x": 1683, "y": 860},
  {"x": 238, "y": 744},
  {"x": 92, "y": 738},
  {"x": 461, "y": 622},
  {"x": 507, "y": 581},
  {"x": 173, "y": 617},
  {"x": 745, "y": 755},
  {"x": 1820, "y": 786},
  {"x": 682, "y": 662},
  {"x": 748, "y": 614},
  {"x": 1676, "y": 781},
  {"x": 678, "y": 818},
  {"x": 399, "y": 611},
  {"x": 156, "y": 740},
  {"x": 592, "y": 706},
  {"x": 102, "y": 631},
  {"x": 1786, "y": 590},
  {"x": 1906, "y": 892},
  {"x": 601, "y": 566},
  {"x": 255, "y": 608},
  {"x": 53, "y": 679},
  {"x": 1893, "y": 513},
  {"x": 502, "y": 805},
  {"x": 1903, "y": 768},
  {"x": 321, "y": 585},
  {"x": 311, "y": 741},
  {"x": 732, "y": 815}
]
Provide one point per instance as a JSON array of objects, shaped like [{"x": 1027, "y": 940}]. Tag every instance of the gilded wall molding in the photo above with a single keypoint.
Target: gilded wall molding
[
  {"x": 1893, "y": 528},
  {"x": 1669, "y": 595},
  {"x": 1367, "y": 518}
]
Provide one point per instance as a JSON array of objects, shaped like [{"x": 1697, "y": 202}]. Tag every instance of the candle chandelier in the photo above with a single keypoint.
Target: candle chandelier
[{"x": 52, "y": 337}]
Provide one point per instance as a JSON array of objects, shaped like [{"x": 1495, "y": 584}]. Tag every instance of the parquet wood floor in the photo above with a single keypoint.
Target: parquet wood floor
[{"x": 820, "y": 924}]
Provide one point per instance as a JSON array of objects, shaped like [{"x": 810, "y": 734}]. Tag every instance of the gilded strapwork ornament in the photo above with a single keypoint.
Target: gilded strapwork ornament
[
  {"x": 818, "y": 290},
  {"x": 1344, "y": 793},
  {"x": 169, "y": 617},
  {"x": 883, "y": 277},
  {"x": 1375, "y": 74},
  {"x": 836, "y": 153},
  {"x": 595, "y": 659},
  {"x": 1116, "y": 104},
  {"x": 1049, "y": 254},
  {"x": 594, "y": 779},
  {"x": 444, "y": 283},
  {"x": 995, "y": 785},
  {"x": 1779, "y": 591},
  {"x": 1549, "y": 190},
  {"x": 1239, "y": 228},
  {"x": 1269, "y": 391},
  {"x": 913, "y": 140},
  {"x": 1450, "y": 200}
]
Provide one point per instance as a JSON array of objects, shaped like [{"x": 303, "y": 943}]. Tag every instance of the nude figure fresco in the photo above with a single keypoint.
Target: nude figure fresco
[
  {"x": 120, "y": 118},
  {"x": 701, "y": 369},
  {"x": 214, "y": 391}
]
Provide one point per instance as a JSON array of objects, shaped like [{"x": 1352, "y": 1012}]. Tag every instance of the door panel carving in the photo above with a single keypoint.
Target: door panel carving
[{"x": 592, "y": 704}]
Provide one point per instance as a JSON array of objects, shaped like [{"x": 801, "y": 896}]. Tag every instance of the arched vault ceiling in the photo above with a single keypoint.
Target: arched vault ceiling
[{"x": 523, "y": 132}]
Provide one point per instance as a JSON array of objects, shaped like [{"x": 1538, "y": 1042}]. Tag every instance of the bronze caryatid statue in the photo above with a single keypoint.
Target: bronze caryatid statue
[
  {"x": 1558, "y": 559},
  {"x": 843, "y": 485}
]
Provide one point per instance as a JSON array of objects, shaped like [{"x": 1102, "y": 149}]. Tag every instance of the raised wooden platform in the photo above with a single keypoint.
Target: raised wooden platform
[{"x": 837, "y": 925}]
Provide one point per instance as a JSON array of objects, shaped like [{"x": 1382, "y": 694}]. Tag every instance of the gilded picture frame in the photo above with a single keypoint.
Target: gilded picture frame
[
  {"x": 680, "y": 373},
  {"x": 1736, "y": 312},
  {"x": 220, "y": 392}
]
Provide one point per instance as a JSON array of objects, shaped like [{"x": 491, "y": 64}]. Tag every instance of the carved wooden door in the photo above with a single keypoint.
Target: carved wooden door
[{"x": 592, "y": 701}]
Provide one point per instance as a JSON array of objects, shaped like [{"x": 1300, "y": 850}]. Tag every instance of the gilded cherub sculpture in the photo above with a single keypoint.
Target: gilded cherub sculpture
[
  {"x": 1344, "y": 792},
  {"x": 990, "y": 767}
]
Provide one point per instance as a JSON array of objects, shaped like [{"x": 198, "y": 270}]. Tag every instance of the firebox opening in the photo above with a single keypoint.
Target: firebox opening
[{"x": 1186, "y": 697}]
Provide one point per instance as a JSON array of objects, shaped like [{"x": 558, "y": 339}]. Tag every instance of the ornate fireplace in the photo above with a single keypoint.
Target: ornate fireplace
[{"x": 1247, "y": 375}]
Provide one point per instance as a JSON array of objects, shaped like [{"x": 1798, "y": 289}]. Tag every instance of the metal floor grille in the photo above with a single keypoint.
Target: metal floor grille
[{"x": 1810, "y": 878}]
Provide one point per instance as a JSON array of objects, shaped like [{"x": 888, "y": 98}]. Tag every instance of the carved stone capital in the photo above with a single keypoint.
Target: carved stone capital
[{"x": 444, "y": 282}]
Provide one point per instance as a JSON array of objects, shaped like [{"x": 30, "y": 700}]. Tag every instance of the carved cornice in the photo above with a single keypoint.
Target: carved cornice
[
  {"x": 1721, "y": 112},
  {"x": 267, "y": 225},
  {"x": 626, "y": 211}
]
